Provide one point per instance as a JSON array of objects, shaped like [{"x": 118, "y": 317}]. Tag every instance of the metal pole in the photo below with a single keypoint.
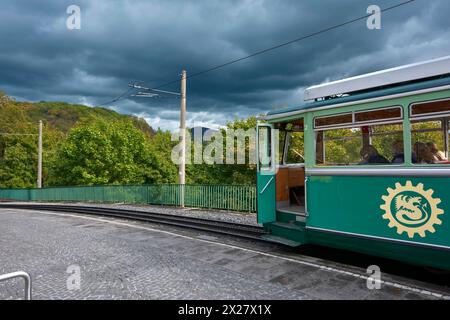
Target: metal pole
[
  {"x": 182, "y": 169},
  {"x": 20, "y": 274},
  {"x": 39, "y": 179}
]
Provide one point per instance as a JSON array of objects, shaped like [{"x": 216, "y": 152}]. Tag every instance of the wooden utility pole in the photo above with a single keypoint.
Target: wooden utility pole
[
  {"x": 182, "y": 169},
  {"x": 150, "y": 93},
  {"x": 39, "y": 179}
]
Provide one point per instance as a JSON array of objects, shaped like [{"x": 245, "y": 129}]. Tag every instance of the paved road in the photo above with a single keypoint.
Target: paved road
[{"x": 131, "y": 260}]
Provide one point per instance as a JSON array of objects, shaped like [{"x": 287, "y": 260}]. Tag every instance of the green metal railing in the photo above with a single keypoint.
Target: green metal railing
[{"x": 225, "y": 197}]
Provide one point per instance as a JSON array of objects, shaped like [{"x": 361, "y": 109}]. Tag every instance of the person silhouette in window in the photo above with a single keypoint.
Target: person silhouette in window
[
  {"x": 438, "y": 155},
  {"x": 423, "y": 154},
  {"x": 399, "y": 153},
  {"x": 370, "y": 155}
]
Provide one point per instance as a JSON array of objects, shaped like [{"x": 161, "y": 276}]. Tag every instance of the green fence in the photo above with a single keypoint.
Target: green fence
[{"x": 226, "y": 197}]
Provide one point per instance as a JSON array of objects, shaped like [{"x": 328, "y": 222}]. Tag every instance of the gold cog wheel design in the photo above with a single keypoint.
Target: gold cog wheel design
[{"x": 401, "y": 227}]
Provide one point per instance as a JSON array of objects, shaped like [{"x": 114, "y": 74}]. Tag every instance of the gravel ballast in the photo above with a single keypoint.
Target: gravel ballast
[{"x": 211, "y": 214}]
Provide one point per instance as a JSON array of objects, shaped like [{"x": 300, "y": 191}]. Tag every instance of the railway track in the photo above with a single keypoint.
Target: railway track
[{"x": 214, "y": 226}]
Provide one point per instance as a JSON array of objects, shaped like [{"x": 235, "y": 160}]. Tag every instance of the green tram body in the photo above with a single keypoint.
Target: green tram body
[{"x": 343, "y": 205}]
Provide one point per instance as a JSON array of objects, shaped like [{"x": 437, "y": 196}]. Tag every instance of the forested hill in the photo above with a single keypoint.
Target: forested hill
[
  {"x": 104, "y": 135},
  {"x": 61, "y": 116},
  {"x": 97, "y": 146}
]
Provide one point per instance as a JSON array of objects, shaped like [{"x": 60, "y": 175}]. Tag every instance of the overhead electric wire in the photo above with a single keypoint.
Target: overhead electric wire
[
  {"x": 284, "y": 44},
  {"x": 119, "y": 97},
  {"x": 331, "y": 28}
]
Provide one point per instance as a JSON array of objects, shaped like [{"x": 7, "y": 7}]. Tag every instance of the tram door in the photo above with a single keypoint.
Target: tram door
[{"x": 266, "y": 171}]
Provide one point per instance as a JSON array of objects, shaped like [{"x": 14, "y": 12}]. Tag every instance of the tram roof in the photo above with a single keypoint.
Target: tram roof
[
  {"x": 388, "y": 77},
  {"x": 364, "y": 95}
]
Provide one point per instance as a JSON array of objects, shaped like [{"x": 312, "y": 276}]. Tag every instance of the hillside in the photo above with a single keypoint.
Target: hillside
[
  {"x": 19, "y": 128},
  {"x": 61, "y": 116},
  {"x": 96, "y": 146}
]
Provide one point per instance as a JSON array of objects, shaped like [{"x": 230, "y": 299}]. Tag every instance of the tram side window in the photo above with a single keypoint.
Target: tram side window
[
  {"x": 364, "y": 145},
  {"x": 430, "y": 132},
  {"x": 388, "y": 140},
  {"x": 429, "y": 141},
  {"x": 338, "y": 146}
]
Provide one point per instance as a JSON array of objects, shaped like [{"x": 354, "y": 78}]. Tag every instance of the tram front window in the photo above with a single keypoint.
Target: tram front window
[{"x": 295, "y": 151}]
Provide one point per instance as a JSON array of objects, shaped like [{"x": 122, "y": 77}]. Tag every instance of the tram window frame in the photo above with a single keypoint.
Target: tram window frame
[
  {"x": 443, "y": 143},
  {"x": 447, "y": 136},
  {"x": 351, "y": 114},
  {"x": 398, "y": 120},
  {"x": 438, "y": 114},
  {"x": 443, "y": 117},
  {"x": 378, "y": 120},
  {"x": 361, "y": 137},
  {"x": 283, "y": 138},
  {"x": 288, "y": 145},
  {"x": 287, "y": 129},
  {"x": 356, "y": 123},
  {"x": 324, "y": 140},
  {"x": 261, "y": 165}
]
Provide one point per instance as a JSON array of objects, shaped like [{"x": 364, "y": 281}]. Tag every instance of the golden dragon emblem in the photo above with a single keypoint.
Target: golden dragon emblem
[{"x": 411, "y": 209}]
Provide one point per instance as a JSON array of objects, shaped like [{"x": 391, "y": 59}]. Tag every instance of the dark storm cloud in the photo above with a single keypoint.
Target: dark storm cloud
[{"x": 151, "y": 41}]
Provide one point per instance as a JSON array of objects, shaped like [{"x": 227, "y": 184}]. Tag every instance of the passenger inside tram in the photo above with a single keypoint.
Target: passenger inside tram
[
  {"x": 438, "y": 155},
  {"x": 399, "y": 154},
  {"x": 423, "y": 154},
  {"x": 370, "y": 155}
]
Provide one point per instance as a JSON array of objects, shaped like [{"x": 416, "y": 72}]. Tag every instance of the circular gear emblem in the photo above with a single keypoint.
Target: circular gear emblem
[{"x": 411, "y": 209}]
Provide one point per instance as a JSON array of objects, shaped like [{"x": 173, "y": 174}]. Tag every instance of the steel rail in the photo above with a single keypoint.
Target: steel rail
[
  {"x": 215, "y": 226},
  {"x": 159, "y": 215}
]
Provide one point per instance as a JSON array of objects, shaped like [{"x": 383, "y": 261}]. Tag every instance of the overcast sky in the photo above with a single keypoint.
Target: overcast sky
[{"x": 151, "y": 41}]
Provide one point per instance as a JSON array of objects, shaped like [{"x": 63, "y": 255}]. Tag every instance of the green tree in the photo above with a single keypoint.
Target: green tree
[
  {"x": 17, "y": 166},
  {"x": 161, "y": 169},
  {"x": 103, "y": 153},
  {"x": 18, "y": 150},
  {"x": 227, "y": 173},
  {"x": 18, "y": 153}
]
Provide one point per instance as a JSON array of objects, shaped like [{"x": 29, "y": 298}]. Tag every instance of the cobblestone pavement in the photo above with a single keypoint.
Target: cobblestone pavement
[{"x": 122, "y": 260}]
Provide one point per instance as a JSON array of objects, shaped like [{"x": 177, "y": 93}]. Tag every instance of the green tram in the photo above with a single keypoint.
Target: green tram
[{"x": 363, "y": 166}]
